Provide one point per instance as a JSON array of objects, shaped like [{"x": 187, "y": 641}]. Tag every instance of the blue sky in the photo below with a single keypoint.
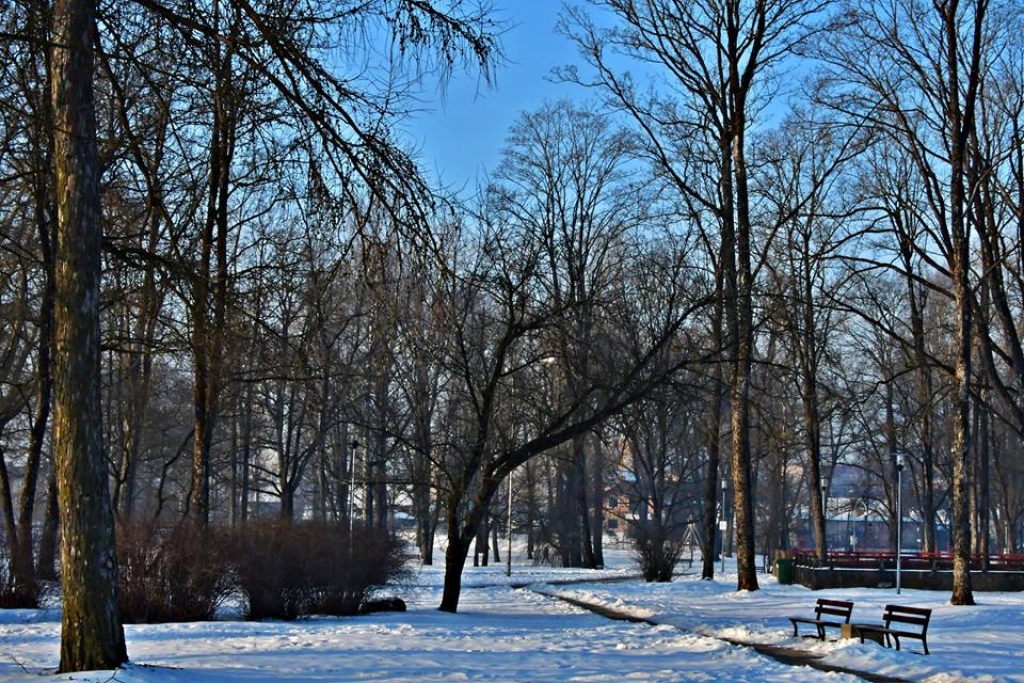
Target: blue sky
[{"x": 461, "y": 136}]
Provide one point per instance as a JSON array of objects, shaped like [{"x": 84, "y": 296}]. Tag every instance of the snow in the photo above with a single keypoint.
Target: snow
[{"x": 505, "y": 633}]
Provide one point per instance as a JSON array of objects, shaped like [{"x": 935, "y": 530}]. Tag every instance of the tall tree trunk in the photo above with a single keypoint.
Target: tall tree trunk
[
  {"x": 923, "y": 371},
  {"x": 424, "y": 510},
  {"x": 481, "y": 553},
  {"x": 463, "y": 524},
  {"x": 7, "y": 511},
  {"x": 46, "y": 566},
  {"x": 815, "y": 475},
  {"x": 581, "y": 473},
  {"x": 743, "y": 505},
  {"x": 43, "y": 210},
  {"x": 495, "y": 544},
  {"x": 245, "y": 486},
  {"x": 743, "y": 497},
  {"x": 960, "y": 518},
  {"x": 960, "y": 115},
  {"x": 462, "y": 532},
  {"x": 805, "y": 340},
  {"x": 234, "y": 506},
  {"x": 597, "y": 497},
  {"x": 379, "y": 484},
  {"x": 17, "y": 540},
  {"x": 532, "y": 506},
  {"x": 140, "y": 374},
  {"x": 990, "y": 306},
  {"x": 982, "y": 493},
  {"x": 211, "y": 279},
  {"x": 714, "y": 440},
  {"x": 455, "y": 561},
  {"x": 91, "y": 633}
]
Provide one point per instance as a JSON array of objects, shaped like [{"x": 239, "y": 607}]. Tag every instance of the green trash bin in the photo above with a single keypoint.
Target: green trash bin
[{"x": 784, "y": 570}]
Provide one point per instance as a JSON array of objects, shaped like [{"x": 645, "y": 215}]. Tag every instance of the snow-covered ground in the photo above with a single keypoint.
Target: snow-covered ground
[{"x": 507, "y": 634}]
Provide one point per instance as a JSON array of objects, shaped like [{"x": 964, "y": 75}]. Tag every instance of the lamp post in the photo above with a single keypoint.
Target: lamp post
[
  {"x": 723, "y": 523},
  {"x": 824, "y": 511},
  {"x": 508, "y": 551},
  {"x": 899, "y": 518}
]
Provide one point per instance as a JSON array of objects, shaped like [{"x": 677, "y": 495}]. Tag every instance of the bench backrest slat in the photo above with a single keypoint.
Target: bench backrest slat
[
  {"x": 835, "y": 608},
  {"x": 915, "y": 616}
]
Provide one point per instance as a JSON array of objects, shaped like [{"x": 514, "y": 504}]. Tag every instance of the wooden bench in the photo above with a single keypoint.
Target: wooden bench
[
  {"x": 838, "y": 609},
  {"x": 900, "y": 622}
]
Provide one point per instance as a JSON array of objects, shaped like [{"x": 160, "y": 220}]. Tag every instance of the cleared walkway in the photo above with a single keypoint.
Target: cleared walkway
[{"x": 786, "y": 655}]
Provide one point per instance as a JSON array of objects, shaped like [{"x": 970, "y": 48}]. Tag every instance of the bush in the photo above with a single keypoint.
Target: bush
[
  {"x": 284, "y": 571},
  {"x": 177, "y": 574},
  {"x": 291, "y": 570},
  {"x": 657, "y": 551},
  {"x": 268, "y": 567}
]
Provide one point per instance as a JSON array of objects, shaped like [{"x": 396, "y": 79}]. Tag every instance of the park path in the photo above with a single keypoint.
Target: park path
[{"x": 790, "y": 656}]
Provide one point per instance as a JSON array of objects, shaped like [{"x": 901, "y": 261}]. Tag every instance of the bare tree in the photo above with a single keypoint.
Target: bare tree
[
  {"x": 800, "y": 181},
  {"x": 922, "y": 73},
  {"x": 26, "y": 193},
  {"x": 508, "y": 325},
  {"x": 899, "y": 191},
  {"x": 564, "y": 181},
  {"x": 714, "y": 61}
]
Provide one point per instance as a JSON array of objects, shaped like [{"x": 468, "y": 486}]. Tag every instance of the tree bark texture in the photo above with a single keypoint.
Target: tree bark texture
[
  {"x": 91, "y": 635},
  {"x": 455, "y": 559},
  {"x": 960, "y": 115}
]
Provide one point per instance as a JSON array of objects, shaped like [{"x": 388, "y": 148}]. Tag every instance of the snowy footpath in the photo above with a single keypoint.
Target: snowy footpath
[{"x": 504, "y": 633}]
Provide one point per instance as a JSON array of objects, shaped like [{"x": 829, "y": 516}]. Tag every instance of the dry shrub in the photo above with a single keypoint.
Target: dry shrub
[
  {"x": 292, "y": 570},
  {"x": 268, "y": 559},
  {"x": 341, "y": 580},
  {"x": 657, "y": 551},
  {"x": 177, "y": 574}
]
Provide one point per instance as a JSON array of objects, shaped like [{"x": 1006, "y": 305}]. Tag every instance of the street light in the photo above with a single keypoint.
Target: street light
[
  {"x": 508, "y": 552},
  {"x": 723, "y": 523},
  {"x": 824, "y": 510},
  {"x": 899, "y": 518}
]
